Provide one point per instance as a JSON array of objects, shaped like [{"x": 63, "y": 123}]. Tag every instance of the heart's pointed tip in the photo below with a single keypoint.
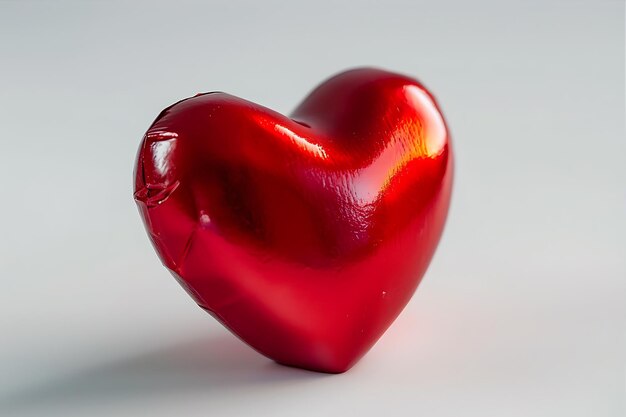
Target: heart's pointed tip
[
  {"x": 337, "y": 364},
  {"x": 320, "y": 369}
]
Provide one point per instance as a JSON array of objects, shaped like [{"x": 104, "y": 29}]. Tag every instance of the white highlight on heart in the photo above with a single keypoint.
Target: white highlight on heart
[{"x": 311, "y": 147}]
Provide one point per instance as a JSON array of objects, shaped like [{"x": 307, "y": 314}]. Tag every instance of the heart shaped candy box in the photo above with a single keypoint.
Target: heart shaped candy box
[{"x": 305, "y": 236}]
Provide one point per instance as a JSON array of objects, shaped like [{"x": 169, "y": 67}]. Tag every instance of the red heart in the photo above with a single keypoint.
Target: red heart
[{"x": 305, "y": 236}]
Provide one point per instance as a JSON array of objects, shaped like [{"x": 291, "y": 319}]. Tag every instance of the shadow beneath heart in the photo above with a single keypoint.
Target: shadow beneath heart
[{"x": 209, "y": 366}]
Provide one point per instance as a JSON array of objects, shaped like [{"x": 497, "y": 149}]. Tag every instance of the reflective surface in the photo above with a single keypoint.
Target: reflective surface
[{"x": 305, "y": 236}]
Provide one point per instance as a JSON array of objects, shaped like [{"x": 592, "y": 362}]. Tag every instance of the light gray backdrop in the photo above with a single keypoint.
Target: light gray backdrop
[{"x": 522, "y": 311}]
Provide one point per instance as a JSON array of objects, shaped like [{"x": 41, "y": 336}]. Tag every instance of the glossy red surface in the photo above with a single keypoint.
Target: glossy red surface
[{"x": 305, "y": 236}]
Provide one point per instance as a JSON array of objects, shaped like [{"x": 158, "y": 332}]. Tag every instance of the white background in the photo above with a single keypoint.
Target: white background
[{"x": 522, "y": 311}]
